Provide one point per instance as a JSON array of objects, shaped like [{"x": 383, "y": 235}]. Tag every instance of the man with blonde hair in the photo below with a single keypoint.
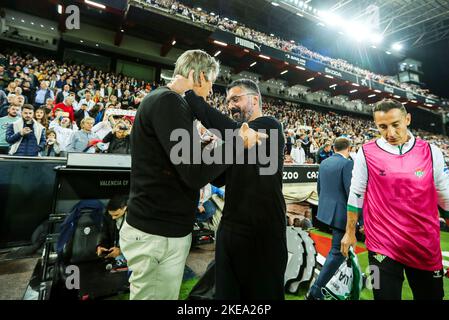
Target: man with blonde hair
[{"x": 164, "y": 194}]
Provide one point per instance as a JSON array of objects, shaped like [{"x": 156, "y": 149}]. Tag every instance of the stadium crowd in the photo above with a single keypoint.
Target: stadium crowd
[
  {"x": 71, "y": 102},
  {"x": 226, "y": 24}
]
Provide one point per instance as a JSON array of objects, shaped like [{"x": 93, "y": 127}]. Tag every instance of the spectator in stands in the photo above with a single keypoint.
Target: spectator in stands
[
  {"x": 4, "y": 77},
  {"x": 41, "y": 117},
  {"x": 87, "y": 100},
  {"x": 49, "y": 105},
  {"x": 84, "y": 140},
  {"x": 60, "y": 97},
  {"x": 114, "y": 219},
  {"x": 13, "y": 100},
  {"x": 334, "y": 181},
  {"x": 27, "y": 92},
  {"x": 3, "y": 98},
  {"x": 290, "y": 141},
  {"x": 52, "y": 148},
  {"x": 324, "y": 152},
  {"x": 66, "y": 106},
  {"x": 298, "y": 154},
  {"x": 11, "y": 117},
  {"x": 43, "y": 94},
  {"x": 64, "y": 130},
  {"x": 26, "y": 136},
  {"x": 118, "y": 139}
]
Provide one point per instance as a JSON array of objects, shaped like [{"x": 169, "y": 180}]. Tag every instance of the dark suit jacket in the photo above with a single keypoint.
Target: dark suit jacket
[{"x": 334, "y": 180}]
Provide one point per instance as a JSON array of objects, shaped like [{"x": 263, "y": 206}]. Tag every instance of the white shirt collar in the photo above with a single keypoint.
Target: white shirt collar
[{"x": 400, "y": 149}]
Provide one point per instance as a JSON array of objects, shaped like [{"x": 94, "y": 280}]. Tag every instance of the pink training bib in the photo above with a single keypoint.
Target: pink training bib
[{"x": 400, "y": 209}]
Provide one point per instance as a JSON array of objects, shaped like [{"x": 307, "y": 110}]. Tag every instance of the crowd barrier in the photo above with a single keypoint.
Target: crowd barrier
[{"x": 28, "y": 191}]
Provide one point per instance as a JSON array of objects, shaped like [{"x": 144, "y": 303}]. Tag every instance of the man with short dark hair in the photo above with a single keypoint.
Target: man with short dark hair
[
  {"x": 407, "y": 186},
  {"x": 26, "y": 136},
  {"x": 334, "y": 180},
  {"x": 5, "y": 121},
  {"x": 64, "y": 93}
]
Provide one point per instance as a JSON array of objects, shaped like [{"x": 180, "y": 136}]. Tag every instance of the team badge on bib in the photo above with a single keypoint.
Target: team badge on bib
[{"x": 419, "y": 173}]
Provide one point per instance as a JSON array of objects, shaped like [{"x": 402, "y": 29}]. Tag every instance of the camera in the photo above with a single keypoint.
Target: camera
[{"x": 123, "y": 127}]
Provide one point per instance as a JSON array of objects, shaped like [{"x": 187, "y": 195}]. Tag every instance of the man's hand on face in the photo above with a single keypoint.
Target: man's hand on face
[
  {"x": 251, "y": 137},
  {"x": 180, "y": 84}
]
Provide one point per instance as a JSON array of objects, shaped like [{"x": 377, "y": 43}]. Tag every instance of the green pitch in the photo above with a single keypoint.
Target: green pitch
[{"x": 366, "y": 293}]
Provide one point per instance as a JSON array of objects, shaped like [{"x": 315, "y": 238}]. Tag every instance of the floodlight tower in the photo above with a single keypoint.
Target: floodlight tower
[{"x": 410, "y": 71}]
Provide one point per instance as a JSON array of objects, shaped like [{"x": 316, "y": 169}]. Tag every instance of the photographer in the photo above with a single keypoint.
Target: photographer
[
  {"x": 118, "y": 139},
  {"x": 109, "y": 246}
]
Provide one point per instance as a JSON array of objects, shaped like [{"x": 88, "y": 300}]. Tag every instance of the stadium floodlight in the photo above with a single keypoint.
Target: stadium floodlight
[
  {"x": 371, "y": 96},
  {"x": 32, "y": 23},
  {"x": 271, "y": 34},
  {"x": 95, "y": 4},
  {"x": 284, "y": 72},
  {"x": 59, "y": 9},
  {"x": 23, "y": 21},
  {"x": 374, "y": 47},
  {"x": 397, "y": 46},
  {"x": 352, "y": 91},
  {"x": 173, "y": 42},
  {"x": 299, "y": 14},
  {"x": 414, "y": 101},
  {"x": 253, "y": 64},
  {"x": 378, "y": 91},
  {"x": 376, "y": 38},
  {"x": 310, "y": 79},
  {"x": 223, "y": 44},
  {"x": 52, "y": 28},
  {"x": 199, "y": 9},
  {"x": 328, "y": 76},
  {"x": 396, "y": 96},
  {"x": 42, "y": 25},
  {"x": 333, "y": 86},
  {"x": 264, "y": 57},
  {"x": 355, "y": 84},
  {"x": 356, "y": 31},
  {"x": 404, "y": 102},
  {"x": 96, "y": 44},
  {"x": 331, "y": 18},
  {"x": 387, "y": 52},
  {"x": 275, "y": 4},
  {"x": 212, "y": 13},
  {"x": 217, "y": 53},
  {"x": 300, "y": 68},
  {"x": 292, "y": 41},
  {"x": 81, "y": 41}
]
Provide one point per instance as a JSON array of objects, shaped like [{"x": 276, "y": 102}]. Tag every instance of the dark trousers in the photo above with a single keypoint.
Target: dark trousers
[
  {"x": 425, "y": 285},
  {"x": 333, "y": 261},
  {"x": 249, "y": 267}
]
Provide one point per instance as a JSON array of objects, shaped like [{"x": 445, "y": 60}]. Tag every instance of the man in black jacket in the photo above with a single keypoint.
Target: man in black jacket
[
  {"x": 164, "y": 192},
  {"x": 109, "y": 246},
  {"x": 251, "y": 249}
]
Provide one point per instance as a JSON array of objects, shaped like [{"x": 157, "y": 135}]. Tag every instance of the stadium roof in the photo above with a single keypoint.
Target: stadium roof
[{"x": 417, "y": 23}]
